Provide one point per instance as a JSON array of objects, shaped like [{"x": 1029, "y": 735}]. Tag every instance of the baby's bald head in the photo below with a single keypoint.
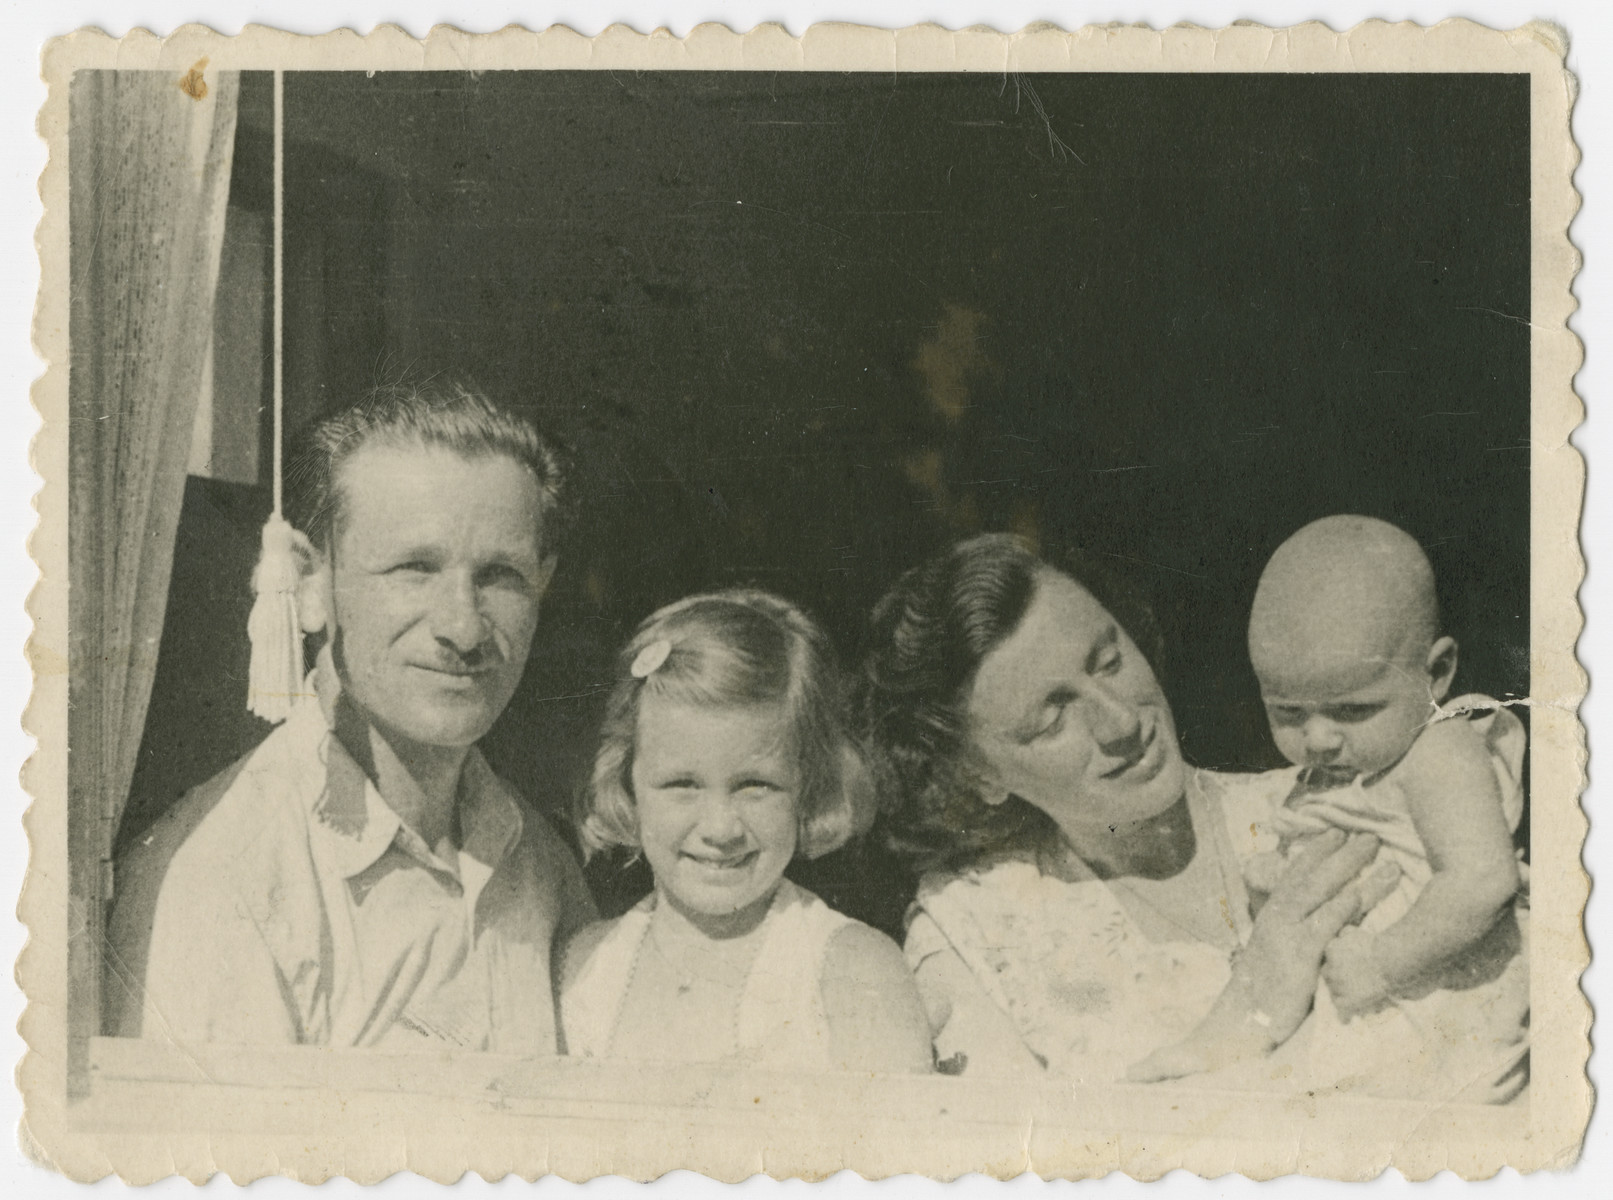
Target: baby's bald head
[{"x": 1341, "y": 599}]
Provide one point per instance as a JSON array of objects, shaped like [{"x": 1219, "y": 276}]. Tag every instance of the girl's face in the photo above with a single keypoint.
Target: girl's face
[
  {"x": 1066, "y": 714},
  {"x": 715, "y": 795}
]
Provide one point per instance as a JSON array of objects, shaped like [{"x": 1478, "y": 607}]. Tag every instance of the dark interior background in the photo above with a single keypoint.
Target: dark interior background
[{"x": 802, "y": 329}]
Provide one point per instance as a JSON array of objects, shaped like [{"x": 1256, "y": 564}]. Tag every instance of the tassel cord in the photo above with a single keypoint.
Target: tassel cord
[{"x": 274, "y": 678}]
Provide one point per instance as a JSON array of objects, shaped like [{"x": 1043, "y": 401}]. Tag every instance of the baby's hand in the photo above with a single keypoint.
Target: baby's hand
[
  {"x": 1263, "y": 872},
  {"x": 1353, "y": 978}
]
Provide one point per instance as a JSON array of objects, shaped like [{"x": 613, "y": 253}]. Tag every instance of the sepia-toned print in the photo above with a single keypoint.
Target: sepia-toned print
[{"x": 917, "y": 602}]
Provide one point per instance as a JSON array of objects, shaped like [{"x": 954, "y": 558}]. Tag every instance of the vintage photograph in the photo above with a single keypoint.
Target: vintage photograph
[{"x": 916, "y": 615}]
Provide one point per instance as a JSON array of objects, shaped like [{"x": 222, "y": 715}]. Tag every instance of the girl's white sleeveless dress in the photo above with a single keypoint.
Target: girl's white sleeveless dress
[{"x": 782, "y": 1021}]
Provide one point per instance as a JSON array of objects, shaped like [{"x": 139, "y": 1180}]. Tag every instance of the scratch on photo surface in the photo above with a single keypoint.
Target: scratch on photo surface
[
  {"x": 1524, "y": 321},
  {"x": 1057, "y": 147},
  {"x": 1149, "y": 563}
]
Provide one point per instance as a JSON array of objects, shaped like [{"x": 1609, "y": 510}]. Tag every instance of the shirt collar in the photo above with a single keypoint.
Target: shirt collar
[
  {"x": 489, "y": 817},
  {"x": 354, "y": 822}
]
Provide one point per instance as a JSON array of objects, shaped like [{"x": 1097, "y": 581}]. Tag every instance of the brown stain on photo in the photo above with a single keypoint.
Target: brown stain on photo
[
  {"x": 947, "y": 360},
  {"x": 192, "y": 83}
]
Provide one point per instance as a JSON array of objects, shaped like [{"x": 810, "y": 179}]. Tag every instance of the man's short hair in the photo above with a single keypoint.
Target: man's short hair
[{"x": 438, "y": 412}]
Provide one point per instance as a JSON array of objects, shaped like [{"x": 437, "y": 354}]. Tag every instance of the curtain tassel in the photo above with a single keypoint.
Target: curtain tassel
[{"x": 274, "y": 679}]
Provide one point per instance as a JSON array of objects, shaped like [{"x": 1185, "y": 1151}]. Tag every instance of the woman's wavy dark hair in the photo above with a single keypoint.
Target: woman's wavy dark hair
[{"x": 927, "y": 639}]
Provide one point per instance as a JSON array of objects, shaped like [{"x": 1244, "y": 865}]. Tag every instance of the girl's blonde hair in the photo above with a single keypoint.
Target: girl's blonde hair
[{"x": 732, "y": 649}]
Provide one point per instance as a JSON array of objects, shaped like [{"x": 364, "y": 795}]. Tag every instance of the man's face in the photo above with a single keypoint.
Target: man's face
[{"x": 436, "y": 574}]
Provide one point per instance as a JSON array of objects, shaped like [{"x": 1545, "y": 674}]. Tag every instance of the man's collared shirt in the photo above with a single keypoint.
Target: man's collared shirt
[{"x": 284, "y": 901}]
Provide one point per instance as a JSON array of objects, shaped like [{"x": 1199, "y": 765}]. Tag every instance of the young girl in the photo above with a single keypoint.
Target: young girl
[{"x": 725, "y": 752}]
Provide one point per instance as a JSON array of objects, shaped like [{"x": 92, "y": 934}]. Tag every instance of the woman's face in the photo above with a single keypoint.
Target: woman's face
[{"x": 1066, "y": 714}]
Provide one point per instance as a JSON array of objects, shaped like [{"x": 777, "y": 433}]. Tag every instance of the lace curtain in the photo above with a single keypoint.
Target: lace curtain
[{"x": 149, "y": 156}]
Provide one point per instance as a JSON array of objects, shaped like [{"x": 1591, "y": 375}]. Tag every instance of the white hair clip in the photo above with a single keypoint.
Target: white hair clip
[{"x": 650, "y": 658}]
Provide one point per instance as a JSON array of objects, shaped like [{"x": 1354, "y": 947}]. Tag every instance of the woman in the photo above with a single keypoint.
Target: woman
[{"x": 1082, "y": 908}]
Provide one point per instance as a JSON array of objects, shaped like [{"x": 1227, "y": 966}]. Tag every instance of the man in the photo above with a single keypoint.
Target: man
[{"x": 362, "y": 878}]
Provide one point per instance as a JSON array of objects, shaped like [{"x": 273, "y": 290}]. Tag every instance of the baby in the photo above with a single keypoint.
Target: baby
[
  {"x": 727, "y": 751},
  {"x": 1345, "y": 641}
]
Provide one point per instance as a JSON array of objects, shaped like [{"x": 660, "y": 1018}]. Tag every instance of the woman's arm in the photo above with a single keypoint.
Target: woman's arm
[
  {"x": 1274, "y": 977},
  {"x": 965, "y": 1022},
  {"x": 876, "y": 1022}
]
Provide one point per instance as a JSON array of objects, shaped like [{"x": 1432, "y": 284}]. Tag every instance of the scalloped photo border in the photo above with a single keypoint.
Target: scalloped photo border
[{"x": 362, "y": 1125}]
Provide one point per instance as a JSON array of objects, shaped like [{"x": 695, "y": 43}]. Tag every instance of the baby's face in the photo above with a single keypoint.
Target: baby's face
[{"x": 1355, "y": 718}]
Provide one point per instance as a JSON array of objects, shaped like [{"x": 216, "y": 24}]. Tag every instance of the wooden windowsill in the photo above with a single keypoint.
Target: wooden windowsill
[{"x": 641, "y": 1119}]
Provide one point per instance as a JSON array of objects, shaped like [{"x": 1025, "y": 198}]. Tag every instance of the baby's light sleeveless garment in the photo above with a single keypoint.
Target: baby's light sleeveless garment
[
  {"x": 1467, "y": 1037},
  {"x": 782, "y": 1021}
]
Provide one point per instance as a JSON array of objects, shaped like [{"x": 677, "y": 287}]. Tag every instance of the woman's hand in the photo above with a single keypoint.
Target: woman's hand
[
  {"x": 1274, "y": 977},
  {"x": 1316, "y": 898}
]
